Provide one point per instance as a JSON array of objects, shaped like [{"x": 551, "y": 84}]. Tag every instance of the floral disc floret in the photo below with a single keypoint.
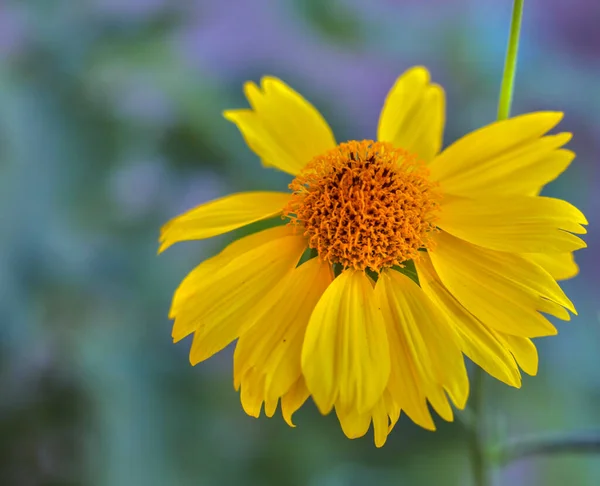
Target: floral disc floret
[{"x": 365, "y": 205}]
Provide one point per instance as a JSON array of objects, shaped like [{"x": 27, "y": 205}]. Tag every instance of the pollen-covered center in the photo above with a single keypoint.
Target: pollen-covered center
[{"x": 365, "y": 205}]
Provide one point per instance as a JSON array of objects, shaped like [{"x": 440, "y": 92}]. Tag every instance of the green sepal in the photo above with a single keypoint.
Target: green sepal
[{"x": 409, "y": 270}]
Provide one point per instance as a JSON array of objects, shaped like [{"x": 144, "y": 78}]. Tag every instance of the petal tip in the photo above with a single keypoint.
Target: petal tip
[
  {"x": 568, "y": 136},
  {"x": 420, "y": 71},
  {"x": 288, "y": 420},
  {"x": 324, "y": 407},
  {"x": 514, "y": 379},
  {"x": 379, "y": 443},
  {"x": 554, "y": 116},
  {"x": 233, "y": 115},
  {"x": 268, "y": 81},
  {"x": 250, "y": 89},
  {"x": 177, "y": 335}
]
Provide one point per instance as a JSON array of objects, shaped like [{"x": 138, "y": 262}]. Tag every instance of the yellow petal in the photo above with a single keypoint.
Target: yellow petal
[
  {"x": 381, "y": 422},
  {"x": 384, "y": 416},
  {"x": 354, "y": 424},
  {"x": 293, "y": 400},
  {"x": 394, "y": 417},
  {"x": 236, "y": 294},
  {"x": 273, "y": 344},
  {"x": 523, "y": 350},
  {"x": 502, "y": 290},
  {"x": 345, "y": 358},
  {"x": 536, "y": 170},
  {"x": 561, "y": 266},
  {"x": 252, "y": 393},
  {"x": 222, "y": 215},
  {"x": 406, "y": 377},
  {"x": 506, "y": 157},
  {"x": 519, "y": 224},
  {"x": 413, "y": 114},
  {"x": 270, "y": 406},
  {"x": 392, "y": 408},
  {"x": 192, "y": 286},
  {"x": 477, "y": 341},
  {"x": 427, "y": 356},
  {"x": 283, "y": 129}
]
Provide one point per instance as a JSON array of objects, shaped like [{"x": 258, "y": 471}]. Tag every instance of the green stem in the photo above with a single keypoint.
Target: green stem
[
  {"x": 478, "y": 446},
  {"x": 510, "y": 63},
  {"x": 520, "y": 448},
  {"x": 477, "y": 439}
]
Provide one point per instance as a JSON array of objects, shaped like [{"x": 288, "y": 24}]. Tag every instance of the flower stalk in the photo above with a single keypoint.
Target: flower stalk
[
  {"x": 510, "y": 63},
  {"x": 479, "y": 457},
  {"x": 477, "y": 439},
  {"x": 483, "y": 457}
]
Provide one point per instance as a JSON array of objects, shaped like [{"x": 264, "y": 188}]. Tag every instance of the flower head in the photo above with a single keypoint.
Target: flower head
[
  {"x": 393, "y": 259},
  {"x": 365, "y": 205}
]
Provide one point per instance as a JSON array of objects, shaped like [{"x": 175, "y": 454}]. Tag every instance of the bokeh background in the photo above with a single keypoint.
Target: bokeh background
[{"x": 110, "y": 123}]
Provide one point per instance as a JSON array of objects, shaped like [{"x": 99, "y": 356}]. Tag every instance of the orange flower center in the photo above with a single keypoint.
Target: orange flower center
[{"x": 365, "y": 205}]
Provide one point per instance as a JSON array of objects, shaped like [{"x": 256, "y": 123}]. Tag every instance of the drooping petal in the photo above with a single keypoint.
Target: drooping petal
[
  {"x": 405, "y": 382},
  {"x": 413, "y": 115},
  {"x": 252, "y": 394},
  {"x": 503, "y": 290},
  {"x": 293, "y": 400},
  {"x": 270, "y": 406},
  {"x": 282, "y": 128},
  {"x": 380, "y": 424},
  {"x": 523, "y": 350},
  {"x": 518, "y": 224},
  {"x": 354, "y": 424},
  {"x": 273, "y": 345},
  {"x": 425, "y": 354},
  {"x": 561, "y": 266},
  {"x": 232, "y": 297},
  {"x": 191, "y": 288},
  {"x": 384, "y": 416},
  {"x": 493, "y": 350},
  {"x": 345, "y": 358},
  {"x": 506, "y": 157},
  {"x": 406, "y": 377},
  {"x": 221, "y": 216},
  {"x": 477, "y": 341},
  {"x": 393, "y": 409},
  {"x": 192, "y": 285}
]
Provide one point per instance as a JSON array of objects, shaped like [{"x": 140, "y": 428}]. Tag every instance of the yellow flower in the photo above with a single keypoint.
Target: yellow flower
[{"x": 352, "y": 327}]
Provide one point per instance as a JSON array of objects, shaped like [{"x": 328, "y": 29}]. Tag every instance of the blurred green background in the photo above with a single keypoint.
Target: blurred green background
[{"x": 110, "y": 123}]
